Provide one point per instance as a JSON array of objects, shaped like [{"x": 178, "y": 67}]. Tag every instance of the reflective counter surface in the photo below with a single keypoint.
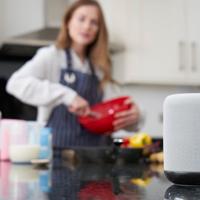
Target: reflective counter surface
[{"x": 84, "y": 181}]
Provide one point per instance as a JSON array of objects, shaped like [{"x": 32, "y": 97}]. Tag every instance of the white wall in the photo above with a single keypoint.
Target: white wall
[
  {"x": 21, "y": 16},
  {"x": 55, "y": 11},
  {"x": 1, "y": 20}
]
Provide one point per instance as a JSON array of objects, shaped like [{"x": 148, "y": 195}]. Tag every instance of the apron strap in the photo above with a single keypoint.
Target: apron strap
[
  {"x": 69, "y": 59},
  {"x": 69, "y": 62}
]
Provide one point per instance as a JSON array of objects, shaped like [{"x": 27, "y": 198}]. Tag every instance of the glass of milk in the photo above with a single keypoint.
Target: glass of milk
[{"x": 24, "y": 145}]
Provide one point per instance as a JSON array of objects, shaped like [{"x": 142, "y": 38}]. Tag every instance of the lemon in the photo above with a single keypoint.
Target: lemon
[{"x": 140, "y": 140}]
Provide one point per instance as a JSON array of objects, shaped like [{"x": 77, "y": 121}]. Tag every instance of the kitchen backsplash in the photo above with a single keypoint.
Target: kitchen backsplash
[{"x": 150, "y": 100}]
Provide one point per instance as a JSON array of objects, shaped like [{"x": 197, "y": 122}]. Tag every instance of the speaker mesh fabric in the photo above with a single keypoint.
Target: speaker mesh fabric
[{"x": 181, "y": 133}]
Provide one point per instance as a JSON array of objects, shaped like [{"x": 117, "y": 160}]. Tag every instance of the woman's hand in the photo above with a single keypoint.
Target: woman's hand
[
  {"x": 79, "y": 106},
  {"x": 127, "y": 118}
]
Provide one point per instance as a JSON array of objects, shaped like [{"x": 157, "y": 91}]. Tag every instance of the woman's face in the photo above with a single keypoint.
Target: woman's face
[{"x": 84, "y": 25}]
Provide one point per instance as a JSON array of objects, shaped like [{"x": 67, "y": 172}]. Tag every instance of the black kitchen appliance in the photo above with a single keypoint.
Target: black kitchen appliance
[{"x": 11, "y": 107}]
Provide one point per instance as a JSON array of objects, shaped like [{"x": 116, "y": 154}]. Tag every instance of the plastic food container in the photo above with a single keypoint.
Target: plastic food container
[{"x": 102, "y": 123}]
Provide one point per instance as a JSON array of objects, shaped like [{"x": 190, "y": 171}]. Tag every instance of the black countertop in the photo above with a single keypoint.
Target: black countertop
[{"x": 90, "y": 181}]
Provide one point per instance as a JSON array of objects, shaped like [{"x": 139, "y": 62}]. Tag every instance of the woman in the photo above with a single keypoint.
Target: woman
[{"x": 62, "y": 80}]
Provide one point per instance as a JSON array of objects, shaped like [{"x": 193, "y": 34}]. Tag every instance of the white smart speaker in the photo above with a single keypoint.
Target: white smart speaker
[{"x": 181, "y": 135}]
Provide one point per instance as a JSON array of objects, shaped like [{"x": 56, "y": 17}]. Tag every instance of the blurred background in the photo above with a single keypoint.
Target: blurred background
[{"x": 154, "y": 46}]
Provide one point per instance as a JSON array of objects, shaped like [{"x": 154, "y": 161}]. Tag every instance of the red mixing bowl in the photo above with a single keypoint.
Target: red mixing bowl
[{"x": 103, "y": 122}]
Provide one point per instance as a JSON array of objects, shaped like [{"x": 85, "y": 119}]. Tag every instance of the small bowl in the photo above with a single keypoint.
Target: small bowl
[{"x": 102, "y": 123}]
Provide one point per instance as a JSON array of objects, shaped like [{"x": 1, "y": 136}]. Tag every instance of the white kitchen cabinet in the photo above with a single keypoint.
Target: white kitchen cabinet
[
  {"x": 123, "y": 22},
  {"x": 162, "y": 44},
  {"x": 193, "y": 41},
  {"x": 122, "y": 18}
]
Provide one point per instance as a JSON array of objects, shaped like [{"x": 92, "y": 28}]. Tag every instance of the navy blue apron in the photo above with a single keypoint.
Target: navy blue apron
[{"x": 67, "y": 132}]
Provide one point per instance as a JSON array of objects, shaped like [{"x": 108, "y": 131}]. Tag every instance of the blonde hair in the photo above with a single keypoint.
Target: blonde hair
[{"x": 98, "y": 51}]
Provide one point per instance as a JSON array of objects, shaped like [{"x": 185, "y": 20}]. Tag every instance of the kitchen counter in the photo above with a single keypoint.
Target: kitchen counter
[{"x": 103, "y": 181}]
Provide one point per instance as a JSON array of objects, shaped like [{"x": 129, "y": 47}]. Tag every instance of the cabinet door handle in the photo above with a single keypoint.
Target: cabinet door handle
[
  {"x": 194, "y": 56},
  {"x": 182, "y": 55}
]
